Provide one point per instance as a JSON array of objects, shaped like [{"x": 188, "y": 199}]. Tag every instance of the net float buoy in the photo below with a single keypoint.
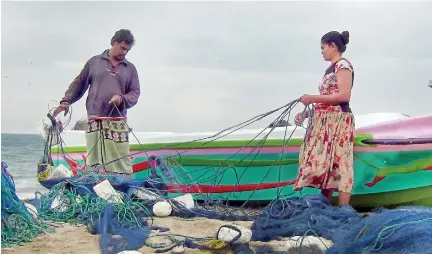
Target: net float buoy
[{"x": 162, "y": 209}]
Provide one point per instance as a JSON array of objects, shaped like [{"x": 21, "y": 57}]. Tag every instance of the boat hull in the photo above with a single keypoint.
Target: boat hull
[{"x": 385, "y": 174}]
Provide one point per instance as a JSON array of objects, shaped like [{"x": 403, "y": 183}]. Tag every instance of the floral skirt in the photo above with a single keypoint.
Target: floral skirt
[{"x": 327, "y": 156}]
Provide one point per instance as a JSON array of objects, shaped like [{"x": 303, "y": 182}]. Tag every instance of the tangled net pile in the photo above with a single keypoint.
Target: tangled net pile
[
  {"x": 128, "y": 225},
  {"x": 17, "y": 224}
]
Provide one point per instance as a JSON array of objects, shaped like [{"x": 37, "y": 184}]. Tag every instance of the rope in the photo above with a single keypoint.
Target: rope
[
  {"x": 76, "y": 202},
  {"x": 221, "y": 170},
  {"x": 71, "y": 208}
]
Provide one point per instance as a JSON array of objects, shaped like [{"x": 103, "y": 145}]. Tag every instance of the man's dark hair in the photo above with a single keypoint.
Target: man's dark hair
[{"x": 123, "y": 35}]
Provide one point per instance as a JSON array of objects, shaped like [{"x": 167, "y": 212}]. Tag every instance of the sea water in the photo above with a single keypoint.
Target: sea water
[{"x": 22, "y": 152}]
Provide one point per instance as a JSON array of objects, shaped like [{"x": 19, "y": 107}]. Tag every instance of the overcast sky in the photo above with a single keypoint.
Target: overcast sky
[{"x": 206, "y": 66}]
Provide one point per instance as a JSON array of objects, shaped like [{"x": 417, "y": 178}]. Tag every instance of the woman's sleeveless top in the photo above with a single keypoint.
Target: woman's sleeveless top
[{"x": 328, "y": 85}]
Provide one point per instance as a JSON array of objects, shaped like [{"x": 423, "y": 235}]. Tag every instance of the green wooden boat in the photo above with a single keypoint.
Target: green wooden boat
[{"x": 393, "y": 161}]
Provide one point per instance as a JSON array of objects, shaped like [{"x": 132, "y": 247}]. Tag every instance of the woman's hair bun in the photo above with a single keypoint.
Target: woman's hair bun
[{"x": 345, "y": 37}]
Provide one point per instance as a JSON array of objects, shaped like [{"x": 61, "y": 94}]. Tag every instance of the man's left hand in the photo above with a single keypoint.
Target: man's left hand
[{"x": 117, "y": 99}]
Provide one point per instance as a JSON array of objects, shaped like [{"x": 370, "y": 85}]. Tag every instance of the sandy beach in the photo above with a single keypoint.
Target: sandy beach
[{"x": 69, "y": 239}]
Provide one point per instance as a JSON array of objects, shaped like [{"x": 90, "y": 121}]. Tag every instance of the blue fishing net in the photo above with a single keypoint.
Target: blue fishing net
[
  {"x": 128, "y": 225},
  {"x": 402, "y": 230},
  {"x": 10, "y": 202},
  {"x": 17, "y": 223},
  {"x": 301, "y": 216},
  {"x": 119, "y": 233},
  {"x": 121, "y": 226}
]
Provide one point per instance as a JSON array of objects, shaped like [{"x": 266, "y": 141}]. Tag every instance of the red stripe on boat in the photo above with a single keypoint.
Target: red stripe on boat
[
  {"x": 375, "y": 181},
  {"x": 380, "y": 178},
  {"x": 140, "y": 166},
  {"x": 73, "y": 166},
  {"x": 225, "y": 188}
]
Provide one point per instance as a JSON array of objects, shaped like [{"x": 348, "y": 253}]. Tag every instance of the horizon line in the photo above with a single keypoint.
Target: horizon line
[{"x": 24, "y": 133}]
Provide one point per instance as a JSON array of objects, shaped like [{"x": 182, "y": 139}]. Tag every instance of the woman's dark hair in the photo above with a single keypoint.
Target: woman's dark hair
[
  {"x": 123, "y": 35},
  {"x": 339, "y": 39}
]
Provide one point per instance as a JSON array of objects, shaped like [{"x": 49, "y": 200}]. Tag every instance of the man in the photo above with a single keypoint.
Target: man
[{"x": 114, "y": 88}]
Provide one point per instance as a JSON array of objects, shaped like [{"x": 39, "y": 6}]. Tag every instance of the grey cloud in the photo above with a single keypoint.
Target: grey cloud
[{"x": 209, "y": 65}]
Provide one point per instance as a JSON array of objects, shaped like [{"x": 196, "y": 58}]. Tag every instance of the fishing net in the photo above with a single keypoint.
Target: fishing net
[
  {"x": 402, "y": 230},
  {"x": 18, "y": 225},
  {"x": 122, "y": 225},
  {"x": 124, "y": 220},
  {"x": 128, "y": 225},
  {"x": 166, "y": 174},
  {"x": 303, "y": 216}
]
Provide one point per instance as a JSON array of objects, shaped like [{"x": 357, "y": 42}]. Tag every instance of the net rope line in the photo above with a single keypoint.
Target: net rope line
[
  {"x": 286, "y": 113},
  {"x": 127, "y": 213},
  {"x": 236, "y": 127},
  {"x": 221, "y": 171}
]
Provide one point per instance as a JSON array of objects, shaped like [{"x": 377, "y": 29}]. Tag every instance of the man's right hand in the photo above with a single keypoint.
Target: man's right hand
[{"x": 64, "y": 106}]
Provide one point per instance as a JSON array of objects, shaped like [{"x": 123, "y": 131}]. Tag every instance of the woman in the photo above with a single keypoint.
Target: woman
[{"x": 326, "y": 156}]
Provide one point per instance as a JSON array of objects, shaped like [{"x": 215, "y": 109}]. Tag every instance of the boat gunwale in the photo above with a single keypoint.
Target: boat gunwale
[
  {"x": 408, "y": 141},
  {"x": 358, "y": 141}
]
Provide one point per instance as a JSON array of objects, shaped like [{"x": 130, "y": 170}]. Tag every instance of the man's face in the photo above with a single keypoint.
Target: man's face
[{"x": 119, "y": 50}]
